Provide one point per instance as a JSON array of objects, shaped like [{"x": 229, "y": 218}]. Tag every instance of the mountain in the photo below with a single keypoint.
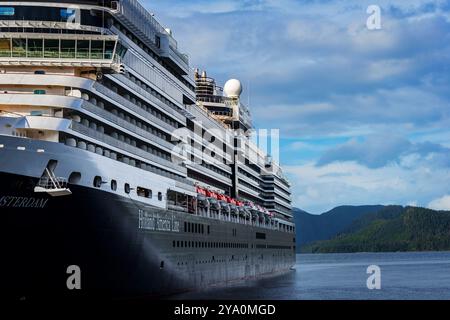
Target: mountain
[
  {"x": 310, "y": 227},
  {"x": 393, "y": 228}
]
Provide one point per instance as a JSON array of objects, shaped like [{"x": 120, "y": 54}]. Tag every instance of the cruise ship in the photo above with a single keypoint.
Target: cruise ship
[{"x": 124, "y": 171}]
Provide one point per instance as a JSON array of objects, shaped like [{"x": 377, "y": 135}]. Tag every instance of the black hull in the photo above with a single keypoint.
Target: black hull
[{"x": 42, "y": 236}]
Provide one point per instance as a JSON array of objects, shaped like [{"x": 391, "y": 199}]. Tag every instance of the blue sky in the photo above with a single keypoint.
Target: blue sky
[{"x": 364, "y": 114}]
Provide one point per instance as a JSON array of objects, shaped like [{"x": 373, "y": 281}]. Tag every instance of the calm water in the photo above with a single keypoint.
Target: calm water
[{"x": 422, "y": 275}]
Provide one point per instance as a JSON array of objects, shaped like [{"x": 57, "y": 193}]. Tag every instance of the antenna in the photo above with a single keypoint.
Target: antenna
[{"x": 248, "y": 93}]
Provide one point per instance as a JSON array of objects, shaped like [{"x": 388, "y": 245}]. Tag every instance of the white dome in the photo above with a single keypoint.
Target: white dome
[{"x": 232, "y": 88}]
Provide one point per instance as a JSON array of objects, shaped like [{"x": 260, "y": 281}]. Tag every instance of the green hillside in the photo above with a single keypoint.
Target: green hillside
[
  {"x": 393, "y": 228},
  {"x": 325, "y": 226}
]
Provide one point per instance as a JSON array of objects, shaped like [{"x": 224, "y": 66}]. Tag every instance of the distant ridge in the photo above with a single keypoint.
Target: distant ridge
[
  {"x": 310, "y": 227},
  {"x": 393, "y": 228}
]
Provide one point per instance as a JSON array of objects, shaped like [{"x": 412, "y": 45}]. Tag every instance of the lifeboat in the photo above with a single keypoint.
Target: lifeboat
[
  {"x": 251, "y": 208},
  {"x": 241, "y": 208},
  {"x": 261, "y": 211},
  {"x": 213, "y": 199},
  {"x": 234, "y": 209},
  {"x": 201, "y": 197}
]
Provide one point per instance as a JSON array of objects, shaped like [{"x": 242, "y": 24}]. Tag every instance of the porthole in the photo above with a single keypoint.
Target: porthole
[
  {"x": 97, "y": 181},
  {"x": 113, "y": 185},
  {"x": 74, "y": 177}
]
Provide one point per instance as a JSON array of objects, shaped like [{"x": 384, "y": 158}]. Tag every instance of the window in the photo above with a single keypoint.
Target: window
[
  {"x": 39, "y": 72},
  {"x": 67, "y": 48},
  {"x": 260, "y": 235},
  {"x": 142, "y": 192},
  {"x": 127, "y": 188},
  {"x": 109, "y": 49},
  {"x": 65, "y": 14},
  {"x": 51, "y": 48},
  {"x": 97, "y": 49},
  {"x": 35, "y": 48},
  {"x": 74, "y": 177},
  {"x": 39, "y": 91},
  {"x": 7, "y": 11},
  {"x": 19, "y": 48},
  {"x": 159, "y": 196},
  {"x": 113, "y": 185},
  {"x": 97, "y": 181},
  {"x": 83, "y": 49}
]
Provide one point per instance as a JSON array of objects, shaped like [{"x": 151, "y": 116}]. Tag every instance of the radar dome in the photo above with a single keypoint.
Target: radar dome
[{"x": 232, "y": 88}]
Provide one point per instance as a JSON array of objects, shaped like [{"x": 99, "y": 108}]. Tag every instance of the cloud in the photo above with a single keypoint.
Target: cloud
[
  {"x": 376, "y": 151},
  {"x": 369, "y": 110},
  {"x": 442, "y": 203},
  {"x": 320, "y": 188}
]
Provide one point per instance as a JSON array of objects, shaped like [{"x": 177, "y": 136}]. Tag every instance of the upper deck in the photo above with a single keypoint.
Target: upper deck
[{"x": 130, "y": 13}]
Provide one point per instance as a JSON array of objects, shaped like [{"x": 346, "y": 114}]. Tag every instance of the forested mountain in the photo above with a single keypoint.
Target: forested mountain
[
  {"x": 393, "y": 228},
  {"x": 312, "y": 227}
]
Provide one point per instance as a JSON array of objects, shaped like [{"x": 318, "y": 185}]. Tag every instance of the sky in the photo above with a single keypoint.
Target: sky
[{"x": 364, "y": 115}]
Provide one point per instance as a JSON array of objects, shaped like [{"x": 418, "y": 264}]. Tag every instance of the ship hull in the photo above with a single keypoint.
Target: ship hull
[{"x": 118, "y": 252}]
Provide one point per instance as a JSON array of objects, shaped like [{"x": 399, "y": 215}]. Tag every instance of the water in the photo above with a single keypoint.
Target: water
[{"x": 419, "y": 275}]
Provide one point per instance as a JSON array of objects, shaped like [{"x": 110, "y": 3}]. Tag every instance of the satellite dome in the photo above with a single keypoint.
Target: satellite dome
[{"x": 232, "y": 88}]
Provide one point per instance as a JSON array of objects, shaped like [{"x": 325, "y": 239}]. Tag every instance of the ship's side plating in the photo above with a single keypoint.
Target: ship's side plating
[{"x": 97, "y": 104}]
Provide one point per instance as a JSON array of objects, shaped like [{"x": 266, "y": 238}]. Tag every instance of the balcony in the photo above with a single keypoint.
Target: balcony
[
  {"x": 126, "y": 104},
  {"x": 111, "y": 142},
  {"x": 128, "y": 126}
]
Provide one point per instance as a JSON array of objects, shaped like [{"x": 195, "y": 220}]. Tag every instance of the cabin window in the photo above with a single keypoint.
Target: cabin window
[
  {"x": 97, "y": 181},
  {"x": 39, "y": 92},
  {"x": 113, "y": 185},
  {"x": 39, "y": 72},
  {"x": 143, "y": 192},
  {"x": 159, "y": 196},
  {"x": 127, "y": 188}
]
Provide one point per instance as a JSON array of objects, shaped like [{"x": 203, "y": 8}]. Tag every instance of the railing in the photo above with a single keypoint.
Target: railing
[
  {"x": 52, "y": 183},
  {"x": 121, "y": 101},
  {"x": 208, "y": 172},
  {"x": 124, "y": 146},
  {"x": 126, "y": 125},
  {"x": 153, "y": 100},
  {"x": 51, "y": 25}
]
